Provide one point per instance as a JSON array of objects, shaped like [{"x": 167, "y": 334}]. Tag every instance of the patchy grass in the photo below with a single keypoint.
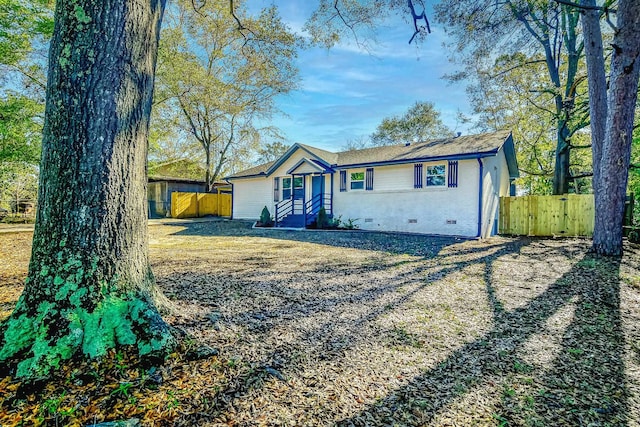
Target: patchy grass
[
  {"x": 354, "y": 328},
  {"x": 15, "y": 251}
]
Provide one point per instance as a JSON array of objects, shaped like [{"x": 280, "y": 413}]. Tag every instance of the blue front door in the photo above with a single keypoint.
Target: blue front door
[{"x": 316, "y": 188}]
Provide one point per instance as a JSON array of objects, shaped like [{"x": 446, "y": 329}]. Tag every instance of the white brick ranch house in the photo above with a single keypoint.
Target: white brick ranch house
[{"x": 442, "y": 187}]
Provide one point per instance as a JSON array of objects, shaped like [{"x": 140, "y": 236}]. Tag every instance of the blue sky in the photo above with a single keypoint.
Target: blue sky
[{"x": 345, "y": 92}]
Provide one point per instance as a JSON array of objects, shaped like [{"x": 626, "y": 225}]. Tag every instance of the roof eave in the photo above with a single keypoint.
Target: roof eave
[
  {"x": 465, "y": 156},
  {"x": 511, "y": 158},
  {"x": 255, "y": 175}
]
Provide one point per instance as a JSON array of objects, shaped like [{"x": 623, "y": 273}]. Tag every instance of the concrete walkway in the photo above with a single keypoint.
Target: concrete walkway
[{"x": 26, "y": 228}]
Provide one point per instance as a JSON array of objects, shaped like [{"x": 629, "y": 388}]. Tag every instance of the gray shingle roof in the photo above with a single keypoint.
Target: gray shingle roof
[
  {"x": 329, "y": 157},
  {"x": 256, "y": 170},
  {"x": 440, "y": 148},
  {"x": 455, "y": 147}
]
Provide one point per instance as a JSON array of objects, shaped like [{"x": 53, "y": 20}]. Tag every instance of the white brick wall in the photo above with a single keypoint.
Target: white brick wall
[{"x": 394, "y": 204}]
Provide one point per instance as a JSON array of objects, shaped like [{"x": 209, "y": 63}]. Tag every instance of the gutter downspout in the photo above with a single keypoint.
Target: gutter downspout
[
  {"x": 331, "y": 192},
  {"x": 480, "y": 185}
]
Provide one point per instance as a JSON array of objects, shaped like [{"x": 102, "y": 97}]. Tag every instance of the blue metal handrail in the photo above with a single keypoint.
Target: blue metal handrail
[
  {"x": 314, "y": 205},
  {"x": 309, "y": 209},
  {"x": 283, "y": 209}
]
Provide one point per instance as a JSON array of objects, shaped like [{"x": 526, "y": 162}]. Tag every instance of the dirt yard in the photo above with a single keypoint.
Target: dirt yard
[{"x": 367, "y": 329}]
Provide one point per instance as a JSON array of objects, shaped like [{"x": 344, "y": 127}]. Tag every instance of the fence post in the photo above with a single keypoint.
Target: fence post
[{"x": 529, "y": 215}]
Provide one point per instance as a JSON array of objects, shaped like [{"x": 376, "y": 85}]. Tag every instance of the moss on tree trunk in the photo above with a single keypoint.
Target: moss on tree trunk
[{"x": 89, "y": 287}]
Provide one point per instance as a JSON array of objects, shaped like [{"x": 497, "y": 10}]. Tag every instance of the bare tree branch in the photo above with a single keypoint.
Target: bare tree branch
[
  {"x": 517, "y": 66},
  {"x": 606, "y": 10},
  {"x": 241, "y": 28},
  {"x": 580, "y": 175},
  {"x": 417, "y": 18},
  {"x": 584, "y": 7},
  {"x": 344, "y": 21},
  {"x": 198, "y": 8},
  {"x": 543, "y": 173},
  {"x": 28, "y": 75}
]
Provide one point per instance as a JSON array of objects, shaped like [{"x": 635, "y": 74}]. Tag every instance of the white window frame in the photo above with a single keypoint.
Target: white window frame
[
  {"x": 430, "y": 174},
  {"x": 290, "y": 188},
  {"x": 361, "y": 181},
  {"x": 300, "y": 188}
]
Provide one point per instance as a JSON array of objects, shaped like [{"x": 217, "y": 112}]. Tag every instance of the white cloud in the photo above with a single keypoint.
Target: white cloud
[{"x": 346, "y": 91}]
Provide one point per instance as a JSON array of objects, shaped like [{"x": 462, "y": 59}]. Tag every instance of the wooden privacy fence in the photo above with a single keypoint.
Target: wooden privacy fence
[
  {"x": 195, "y": 205},
  {"x": 567, "y": 215}
]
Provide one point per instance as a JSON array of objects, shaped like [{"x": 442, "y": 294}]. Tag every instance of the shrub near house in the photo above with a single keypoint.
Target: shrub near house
[{"x": 265, "y": 218}]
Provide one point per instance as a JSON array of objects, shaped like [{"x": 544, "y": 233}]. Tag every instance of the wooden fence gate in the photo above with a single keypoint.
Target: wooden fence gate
[
  {"x": 566, "y": 215},
  {"x": 195, "y": 205}
]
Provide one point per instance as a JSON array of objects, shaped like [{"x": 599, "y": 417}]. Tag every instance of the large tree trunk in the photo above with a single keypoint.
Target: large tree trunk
[
  {"x": 611, "y": 154},
  {"x": 594, "y": 52},
  {"x": 89, "y": 287},
  {"x": 207, "y": 177},
  {"x": 561, "y": 171}
]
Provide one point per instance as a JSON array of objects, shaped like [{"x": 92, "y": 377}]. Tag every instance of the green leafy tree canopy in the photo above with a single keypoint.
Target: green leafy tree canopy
[{"x": 420, "y": 123}]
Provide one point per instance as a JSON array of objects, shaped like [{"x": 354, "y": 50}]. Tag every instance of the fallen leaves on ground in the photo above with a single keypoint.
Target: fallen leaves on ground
[{"x": 353, "y": 328}]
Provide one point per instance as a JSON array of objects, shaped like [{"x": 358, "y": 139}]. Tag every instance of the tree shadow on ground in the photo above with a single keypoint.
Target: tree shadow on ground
[
  {"x": 584, "y": 384},
  {"x": 410, "y": 244},
  {"x": 295, "y": 303}
]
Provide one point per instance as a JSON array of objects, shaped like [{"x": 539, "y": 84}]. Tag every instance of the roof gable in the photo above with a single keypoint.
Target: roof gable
[
  {"x": 325, "y": 157},
  {"x": 305, "y": 166},
  {"x": 321, "y": 157}
]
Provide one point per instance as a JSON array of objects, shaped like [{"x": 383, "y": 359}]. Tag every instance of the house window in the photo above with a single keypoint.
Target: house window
[
  {"x": 298, "y": 187},
  {"x": 343, "y": 181},
  {"x": 276, "y": 189},
  {"x": 286, "y": 188},
  {"x": 357, "y": 180},
  {"x": 436, "y": 176}
]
